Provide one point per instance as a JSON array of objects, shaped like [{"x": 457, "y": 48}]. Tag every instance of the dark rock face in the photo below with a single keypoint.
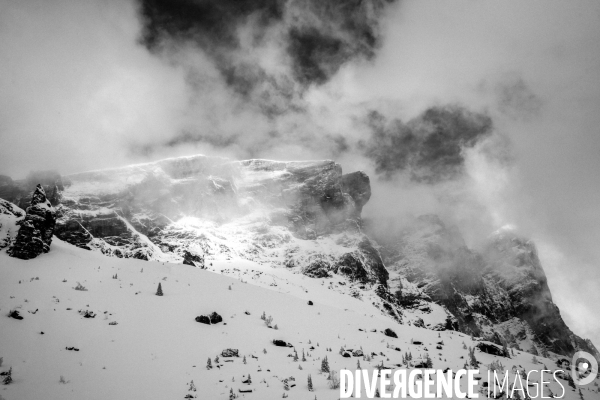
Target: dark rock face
[
  {"x": 281, "y": 343},
  {"x": 499, "y": 293},
  {"x": 192, "y": 259},
  {"x": 358, "y": 186},
  {"x": 36, "y": 230}
]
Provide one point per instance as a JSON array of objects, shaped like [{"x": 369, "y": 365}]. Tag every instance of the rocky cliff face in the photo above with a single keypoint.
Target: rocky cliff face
[
  {"x": 303, "y": 216},
  {"x": 36, "y": 230},
  {"x": 499, "y": 293}
]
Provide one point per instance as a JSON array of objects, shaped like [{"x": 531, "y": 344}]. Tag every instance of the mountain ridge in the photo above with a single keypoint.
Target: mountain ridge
[{"x": 306, "y": 216}]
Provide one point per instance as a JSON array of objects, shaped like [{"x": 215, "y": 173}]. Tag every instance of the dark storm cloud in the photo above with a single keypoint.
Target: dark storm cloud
[
  {"x": 317, "y": 37},
  {"x": 429, "y": 147}
]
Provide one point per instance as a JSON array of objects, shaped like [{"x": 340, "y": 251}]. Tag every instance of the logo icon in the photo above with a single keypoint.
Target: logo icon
[{"x": 579, "y": 368}]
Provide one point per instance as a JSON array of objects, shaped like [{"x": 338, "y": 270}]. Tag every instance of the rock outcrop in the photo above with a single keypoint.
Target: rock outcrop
[
  {"x": 36, "y": 230},
  {"x": 499, "y": 293},
  {"x": 10, "y": 216}
]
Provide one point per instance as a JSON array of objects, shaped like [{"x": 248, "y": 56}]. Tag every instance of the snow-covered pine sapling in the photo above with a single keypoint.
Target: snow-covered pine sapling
[
  {"x": 285, "y": 396},
  {"x": 229, "y": 287},
  {"x": 303, "y": 357},
  {"x": 232, "y": 395},
  {"x": 310, "y": 384},
  {"x": 63, "y": 380},
  {"x": 472, "y": 360},
  {"x": 534, "y": 359},
  {"x": 208, "y": 364},
  {"x": 276, "y": 327},
  {"x": 216, "y": 359},
  {"x": 428, "y": 361},
  {"x": 263, "y": 316},
  {"x": 268, "y": 320},
  {"x": 295, "y": 355},
  {"x": 159, "y": 291},
  {"x": 192, "y": 387},
  {"x": 264, "y": 351},
  {"x": 464, "y": 346},
  {"x": 244, "y": 360},
  {"x": 325, "y": 365},
  {"x": 377, "y": 393},
  {"x": 286, "y": 385},
  {"x": 249, "y": 380},
  {"x": 358, "y": 364},
  {"x": 300, "y": 367}
]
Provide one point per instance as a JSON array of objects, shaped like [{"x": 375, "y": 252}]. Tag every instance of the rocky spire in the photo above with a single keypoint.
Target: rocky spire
[{"x": 36, "y": 230}]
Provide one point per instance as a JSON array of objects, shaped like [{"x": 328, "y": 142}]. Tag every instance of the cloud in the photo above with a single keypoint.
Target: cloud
[{"x": 430, "y": 147}]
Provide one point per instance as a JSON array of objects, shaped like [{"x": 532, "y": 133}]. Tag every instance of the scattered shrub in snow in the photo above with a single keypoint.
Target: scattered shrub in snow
[
  {"x": 14, "y": 314},
  {"x": 80, "y": 287},
  {"x": 63, "y": 380},
  {"x": 8, "y": 378},
  {"x": 268, "y": 321},
  {"x": 334, "y": 380},
  {"x": 496, "y": 365}
]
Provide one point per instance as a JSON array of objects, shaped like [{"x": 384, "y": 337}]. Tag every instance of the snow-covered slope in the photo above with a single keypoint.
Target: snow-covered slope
[{"x": 157, "y": 348}]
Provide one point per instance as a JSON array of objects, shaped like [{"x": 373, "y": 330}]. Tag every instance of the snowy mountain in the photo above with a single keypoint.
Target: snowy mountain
[
  {"x": 499, "y": 292},
  {"x": 291, "y": 231}
]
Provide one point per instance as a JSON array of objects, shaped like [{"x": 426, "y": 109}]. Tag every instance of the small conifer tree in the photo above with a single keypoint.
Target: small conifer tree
[
  {"x": 310, "y": 384},
  {"x": 208, "y": 364},
  {"x": 325, "y": 365},
  {"x": 159, "y": 291}
]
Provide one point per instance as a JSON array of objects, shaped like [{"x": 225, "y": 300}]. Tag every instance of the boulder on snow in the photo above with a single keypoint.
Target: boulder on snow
[
  {"x": 357, "y": 353},
  {"x": 230, "y": 353},
  {"x": 281, "y": 343},
  {"x": 310, "y": 303},
  {"x": 211, "y": 319},
  {"x": 492, "y": 348},
  {"x": 390, "y": 333}
]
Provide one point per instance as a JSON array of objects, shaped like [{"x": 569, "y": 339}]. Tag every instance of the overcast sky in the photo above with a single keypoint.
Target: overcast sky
[{"x": 80, "y": 89}]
